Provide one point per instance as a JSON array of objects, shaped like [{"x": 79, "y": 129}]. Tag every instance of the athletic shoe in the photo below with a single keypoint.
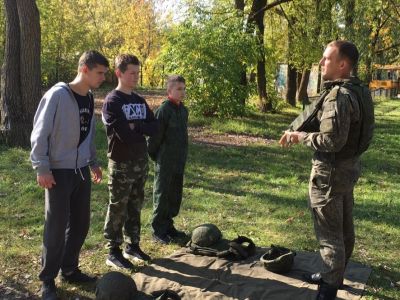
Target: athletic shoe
[
  {"x": 162, "y": 238},
  {"x": 77, "y": 277},
  {"x": 117, "y": 260},
  {"x": 49, "y": 290},
  {"x": 133, "y": 251}
]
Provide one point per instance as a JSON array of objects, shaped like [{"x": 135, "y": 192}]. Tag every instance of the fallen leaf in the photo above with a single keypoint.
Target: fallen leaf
[{"x": 290, "y": 220}]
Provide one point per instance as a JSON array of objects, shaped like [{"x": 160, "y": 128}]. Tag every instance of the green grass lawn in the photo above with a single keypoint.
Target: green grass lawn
[{"x": 259, "y": 191}]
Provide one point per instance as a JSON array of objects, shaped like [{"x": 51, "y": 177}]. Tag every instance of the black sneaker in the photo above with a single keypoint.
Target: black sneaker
[
  {"x": 176, "y": 234},
  {"x": 117, "y": 260},
  {"x": 326, "y": 292},
  {"x": 78, "y": 277},
  {"x": 133, "y": 251},
  {"x": 316, "y": 278},
  {"x": 162, "y": 238},
  {"x": 313, "y": 278},
  {"x": 49, "y": 290}
]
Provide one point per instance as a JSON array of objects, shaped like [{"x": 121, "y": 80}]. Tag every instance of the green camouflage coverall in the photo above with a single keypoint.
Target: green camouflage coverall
[
  {"x": 333, "y": 177},
  {"x": 169, "y": 151}
]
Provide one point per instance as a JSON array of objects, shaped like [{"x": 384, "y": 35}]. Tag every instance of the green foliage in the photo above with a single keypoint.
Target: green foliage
[
  {"x": 376, "y": 31},
  {"x": 210, "y": 49},
  {"x": 111, "y": 26}
]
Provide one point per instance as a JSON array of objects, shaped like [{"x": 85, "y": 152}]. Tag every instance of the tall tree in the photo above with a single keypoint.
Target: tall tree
[
  {"x": 257, "y": 17},
  {"x": 20, "y": 76},
  {"x": 239, "y": 6}
]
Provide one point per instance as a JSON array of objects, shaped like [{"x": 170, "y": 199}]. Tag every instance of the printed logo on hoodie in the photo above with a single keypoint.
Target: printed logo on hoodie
[{"x": 134, "y": 111}]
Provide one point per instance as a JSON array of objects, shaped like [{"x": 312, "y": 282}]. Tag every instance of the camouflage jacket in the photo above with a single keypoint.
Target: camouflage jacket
[
  {"x": 169, "y": 147},
  {"x": 337, "y": 117}
]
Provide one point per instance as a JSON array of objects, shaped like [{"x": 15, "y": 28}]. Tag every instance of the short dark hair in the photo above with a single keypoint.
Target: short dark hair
[
  {"x": 173, "y": 79},
  {"x": 123, "y": 60},
  {"x": 348, "y": 50},
  {"x": 92, "y": 58}
]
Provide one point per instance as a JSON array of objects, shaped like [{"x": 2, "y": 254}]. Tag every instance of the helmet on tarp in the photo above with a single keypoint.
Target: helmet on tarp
[
  {"x": 278, "y": 259},
  {"x": 115, "y": 286}
]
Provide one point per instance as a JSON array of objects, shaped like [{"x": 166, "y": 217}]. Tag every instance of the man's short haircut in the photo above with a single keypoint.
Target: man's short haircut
[
  {"x": 174, "y": 79},
  {"x": 93, "y": 58},
  {"x": 347, "y": 50},
  {"x": 123, "y": 60}
]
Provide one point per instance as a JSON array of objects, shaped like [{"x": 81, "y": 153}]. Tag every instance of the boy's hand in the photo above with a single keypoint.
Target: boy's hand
[
  {"x": 97, "y": 174},
  {"x": 46, "y": 181}
]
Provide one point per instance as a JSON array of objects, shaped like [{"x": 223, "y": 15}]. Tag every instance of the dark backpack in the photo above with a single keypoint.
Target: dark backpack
[
  {"x": 366, "y": 104},
  {"x": 307, "y": 120}
]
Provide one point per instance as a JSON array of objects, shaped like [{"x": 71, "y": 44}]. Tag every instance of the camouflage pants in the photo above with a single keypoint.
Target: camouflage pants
[
  {"x": 167, "y": 199},
  {"x": 331, "y": 201},
  {"x": 126, "y": 190}
]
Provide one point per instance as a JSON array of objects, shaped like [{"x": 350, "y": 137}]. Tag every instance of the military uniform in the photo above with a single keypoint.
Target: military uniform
[
  {"x": 335, "y": 171},
  {"x": 169, "y": 151}
]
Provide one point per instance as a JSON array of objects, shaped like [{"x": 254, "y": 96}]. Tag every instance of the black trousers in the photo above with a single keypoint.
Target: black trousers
[{"x": 67, "y": 219}]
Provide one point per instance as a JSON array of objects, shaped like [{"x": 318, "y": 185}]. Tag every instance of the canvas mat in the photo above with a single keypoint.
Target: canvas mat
[{"x": 203, "y": 277}]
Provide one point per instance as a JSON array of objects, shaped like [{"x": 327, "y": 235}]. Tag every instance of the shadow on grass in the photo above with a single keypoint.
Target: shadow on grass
[{"x": 262, "y": 166}]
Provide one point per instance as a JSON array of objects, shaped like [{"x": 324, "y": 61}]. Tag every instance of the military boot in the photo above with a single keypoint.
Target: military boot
[{"x": 326, "y": 292}]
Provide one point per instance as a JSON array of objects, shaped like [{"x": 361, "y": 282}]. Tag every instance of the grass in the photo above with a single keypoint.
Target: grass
[{"x": 259, "y": 191}]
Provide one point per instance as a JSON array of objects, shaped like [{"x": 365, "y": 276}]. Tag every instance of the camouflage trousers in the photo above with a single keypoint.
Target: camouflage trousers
[
  {"x": 331, "y": 200},
  {"x": 167, "y": 199},
  {"x": 126, "y": 196}
]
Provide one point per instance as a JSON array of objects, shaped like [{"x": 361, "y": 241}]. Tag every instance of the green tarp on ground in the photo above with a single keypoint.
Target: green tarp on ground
[{"x": 202, "y": 277}]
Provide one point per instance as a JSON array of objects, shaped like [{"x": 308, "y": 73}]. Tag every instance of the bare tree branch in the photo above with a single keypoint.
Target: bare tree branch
[
  {"x": 271, "y": 5},
  {"x": 393, "y": 46}
]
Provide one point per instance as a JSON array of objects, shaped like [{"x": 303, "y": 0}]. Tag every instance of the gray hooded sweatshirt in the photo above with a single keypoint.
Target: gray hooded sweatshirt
[{"x": 56, "y": 132}]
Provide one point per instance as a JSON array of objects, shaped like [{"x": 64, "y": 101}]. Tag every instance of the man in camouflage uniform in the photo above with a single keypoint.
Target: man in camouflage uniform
[
  {"x": 169, "y": 151},
  {"x": 340, "y": 125},
  {"x": 128, "y": 120}
]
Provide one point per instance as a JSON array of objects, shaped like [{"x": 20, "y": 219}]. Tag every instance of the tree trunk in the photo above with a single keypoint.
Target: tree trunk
[
  {"x": 11, "y": 106},
  {"x": 291, "y": 85},
  {"x": 302, "y": 95},
  {"x": 20, "y": 77},
  {"x": 256, "y": 17},
  {"x": 368, "y": 69},
  {"x": 239, "y": 5},
  {"x": 349, "y": 18},
  {"x": 29, "y": 59}
]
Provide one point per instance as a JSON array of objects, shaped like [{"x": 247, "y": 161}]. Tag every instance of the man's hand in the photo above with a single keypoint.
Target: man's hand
[
  {"x": 290, "y": 138},
  {"x": 46, "y": 181},
  {"x": 97, "y": 174}
]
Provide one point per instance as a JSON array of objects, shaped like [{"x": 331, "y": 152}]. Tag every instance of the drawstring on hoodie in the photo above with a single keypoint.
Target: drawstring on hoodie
[{"x": 80, "y": 172}]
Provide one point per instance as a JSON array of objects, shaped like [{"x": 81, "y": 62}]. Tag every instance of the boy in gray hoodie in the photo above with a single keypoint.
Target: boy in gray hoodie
[{"x": 63, "y": 155}]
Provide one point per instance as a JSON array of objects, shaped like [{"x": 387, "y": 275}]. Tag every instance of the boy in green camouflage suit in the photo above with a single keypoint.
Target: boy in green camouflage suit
[{"x": 169, "y": 151}]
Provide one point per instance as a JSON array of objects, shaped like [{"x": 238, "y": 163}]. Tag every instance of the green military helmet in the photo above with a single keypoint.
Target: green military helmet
[
  {"x": 278, "y": 259},
  {"x": 115, "y": 286},
  {"x": 206, "y": 235}
]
